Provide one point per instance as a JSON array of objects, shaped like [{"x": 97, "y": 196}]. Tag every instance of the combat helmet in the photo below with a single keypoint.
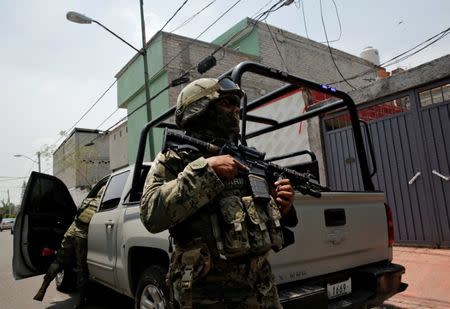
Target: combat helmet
[{"x": 194, "y": 99}]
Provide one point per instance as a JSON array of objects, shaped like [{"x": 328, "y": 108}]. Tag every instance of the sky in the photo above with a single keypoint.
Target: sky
[{"x": 53, "y": 70}]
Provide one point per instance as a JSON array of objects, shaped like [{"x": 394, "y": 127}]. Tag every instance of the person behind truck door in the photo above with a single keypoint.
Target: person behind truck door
[
  {"x": 222, "y": 236},
  {"x": 74, "y": 245}
]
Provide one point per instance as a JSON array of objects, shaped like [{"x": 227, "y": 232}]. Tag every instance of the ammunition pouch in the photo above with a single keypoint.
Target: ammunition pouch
[
  {"x": 187, "y": 266},
  {"x": 246, "y": 226}
]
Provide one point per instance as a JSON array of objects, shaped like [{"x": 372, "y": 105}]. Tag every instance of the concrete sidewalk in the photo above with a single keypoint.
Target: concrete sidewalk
[{"x": 428, "y": 276}]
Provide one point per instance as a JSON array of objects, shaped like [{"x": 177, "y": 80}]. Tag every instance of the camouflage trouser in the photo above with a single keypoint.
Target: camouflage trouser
[
  {"x": 71, "y": 248},
  {"x": 229, "y": 285}
]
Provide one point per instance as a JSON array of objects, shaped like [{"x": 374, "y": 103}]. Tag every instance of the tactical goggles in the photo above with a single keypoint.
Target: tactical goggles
[{"x": 228, "y": 86}]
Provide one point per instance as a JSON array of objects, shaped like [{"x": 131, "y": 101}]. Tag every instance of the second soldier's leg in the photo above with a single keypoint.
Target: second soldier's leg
[
  {"x": 58, "y": 264},
  {"x": 82, "y": 270}
]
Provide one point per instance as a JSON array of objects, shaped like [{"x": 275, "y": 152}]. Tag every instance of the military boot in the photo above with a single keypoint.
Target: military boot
[{"x": 40, "y": 294}]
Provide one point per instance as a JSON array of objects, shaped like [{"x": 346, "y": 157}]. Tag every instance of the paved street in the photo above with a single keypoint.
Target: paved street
[
  {"x": 19, "y": 294},
  {"x": 427, "y": 274}
]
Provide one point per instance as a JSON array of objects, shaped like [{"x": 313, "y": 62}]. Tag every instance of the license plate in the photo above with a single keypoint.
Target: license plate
[{"x": 339, "y": 289}]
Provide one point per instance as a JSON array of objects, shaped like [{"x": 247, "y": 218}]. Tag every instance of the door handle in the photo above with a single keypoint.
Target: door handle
[
  {"x": 109, "y": 225},
  {"x": 411, "y": 181},
  {"x": 446, "y": 178}
]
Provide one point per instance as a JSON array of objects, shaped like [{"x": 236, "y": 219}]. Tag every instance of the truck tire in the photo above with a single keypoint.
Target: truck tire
[
  {"x": 152, "y": 291},
  {"x": 66, "y": 280}
]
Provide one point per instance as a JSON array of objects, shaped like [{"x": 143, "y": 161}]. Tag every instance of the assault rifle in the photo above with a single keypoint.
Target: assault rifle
[{"x": 260, "y": 171}]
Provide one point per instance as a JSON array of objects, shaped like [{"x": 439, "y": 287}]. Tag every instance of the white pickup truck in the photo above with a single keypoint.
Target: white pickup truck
[{"x": 341, "y": 257}]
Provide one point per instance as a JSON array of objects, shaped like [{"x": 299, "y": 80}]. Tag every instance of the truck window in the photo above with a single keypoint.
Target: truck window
[{"x": 113, "y": 192}]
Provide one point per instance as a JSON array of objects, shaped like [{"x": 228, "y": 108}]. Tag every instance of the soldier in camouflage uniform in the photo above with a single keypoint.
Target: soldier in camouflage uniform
[
  {"x": 74, "y": 246},
  {"x": 222, "y": 235}
]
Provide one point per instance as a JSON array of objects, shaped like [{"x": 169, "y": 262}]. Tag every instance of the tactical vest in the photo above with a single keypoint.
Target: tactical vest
[
  {"x": 233, "y": 224},
  {"x": 87, "y": 210}
]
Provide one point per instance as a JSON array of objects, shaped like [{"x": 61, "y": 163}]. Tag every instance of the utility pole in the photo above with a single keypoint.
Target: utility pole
[
  {"x": 39, "y": 160},
  {"x": 146, "y": 84},
  {"x": 9, "y": 204}
]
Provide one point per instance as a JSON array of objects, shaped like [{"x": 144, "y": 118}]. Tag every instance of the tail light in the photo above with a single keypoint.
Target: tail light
[
  {"x": 390, "y": 224},
  {"x": 48, "y": 252}
]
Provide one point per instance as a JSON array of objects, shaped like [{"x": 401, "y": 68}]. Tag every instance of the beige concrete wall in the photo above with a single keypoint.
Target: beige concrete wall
[
  {"x": 82, "y": 159},
  {"x": 65, "y": 153},
  {"x": 118, "y": 146}
]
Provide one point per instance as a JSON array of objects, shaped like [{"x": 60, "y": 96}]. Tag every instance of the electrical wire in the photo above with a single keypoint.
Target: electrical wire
[
  {"x": 339, "y": 23},
  {"x": 302, "y": 5},
  {"x": 87, "y": 111},
  {"x": 187, "y": 21},
  {"x": 258, "y": 18},
  {"x": 173, "y": 15},
  {"x": 329, "y": 48},
  {"x": 278, "y": 49},
  {"x": 434, "y": 39},
  {"x": 192, "y": 40}
]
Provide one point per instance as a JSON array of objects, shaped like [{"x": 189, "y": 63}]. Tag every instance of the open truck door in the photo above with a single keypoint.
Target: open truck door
[{"x": 47, "y": 211}]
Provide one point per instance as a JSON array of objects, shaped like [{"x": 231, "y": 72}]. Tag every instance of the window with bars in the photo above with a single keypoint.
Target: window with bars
[{"x": 434, "y": 96}]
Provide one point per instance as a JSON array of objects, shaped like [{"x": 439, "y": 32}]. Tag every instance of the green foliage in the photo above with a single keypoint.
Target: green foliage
[{"x": 7, "y": 209}]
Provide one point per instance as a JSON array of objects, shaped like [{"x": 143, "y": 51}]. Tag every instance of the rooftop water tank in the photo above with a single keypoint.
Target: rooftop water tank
[{"x": 370, "y": 54}]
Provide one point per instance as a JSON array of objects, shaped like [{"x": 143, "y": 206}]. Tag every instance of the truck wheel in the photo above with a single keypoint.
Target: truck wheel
[
  {"x": 152, "y": 291},
  {"x": 66, "y": 280}
]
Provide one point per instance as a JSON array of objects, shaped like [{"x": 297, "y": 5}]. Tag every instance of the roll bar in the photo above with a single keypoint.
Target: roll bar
[{"x": 293, "y": 82}]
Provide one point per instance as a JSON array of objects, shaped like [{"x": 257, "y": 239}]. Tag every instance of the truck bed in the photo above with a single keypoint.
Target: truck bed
[{"x": 356, "y": 235}]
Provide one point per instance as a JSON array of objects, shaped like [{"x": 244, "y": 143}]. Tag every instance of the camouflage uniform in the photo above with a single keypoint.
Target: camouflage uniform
[
  {"x": 74, "y": 246},
  {"x": 183, "y": 200},
  {"x": 222, "y": 236}
]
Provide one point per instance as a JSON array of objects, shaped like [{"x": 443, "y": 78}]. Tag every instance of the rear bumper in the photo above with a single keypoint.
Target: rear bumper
[{"x": 371, "y": 286}]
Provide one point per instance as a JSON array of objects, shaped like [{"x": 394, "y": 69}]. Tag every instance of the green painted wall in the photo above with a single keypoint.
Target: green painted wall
[
  {"x": 131, "y": 94},
  {"x": 131, "y": 81},
  {"x": 159, "y": 106},
  {"x": 248, "y": 43},
  {"x": 138, "y": 120},
  {"x": 135, "y": 124}
]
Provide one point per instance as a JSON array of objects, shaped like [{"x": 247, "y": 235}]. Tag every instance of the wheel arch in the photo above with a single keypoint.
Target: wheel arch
[{"x": 140, "y": 258}]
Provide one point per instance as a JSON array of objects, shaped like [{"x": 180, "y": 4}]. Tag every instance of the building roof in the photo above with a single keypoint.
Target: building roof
[
  {"x": 423, "y": 74},
  {"x": 77, "y": 130}
]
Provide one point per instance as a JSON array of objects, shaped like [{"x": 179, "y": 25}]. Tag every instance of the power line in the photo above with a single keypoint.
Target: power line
[
  {"x": 173, "y": 15},
  {"x": 339, "y": 23},
  {"x": 278, "y": 49},
  {"x": 258, "y": 18},
  {"x": 302, "y": 5},
  {"x": 329, "y": 47},
  {"x": 434, "y": 39},
  {"x": 187, "y": 21},
  {"x": 84, "y": 114}
]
